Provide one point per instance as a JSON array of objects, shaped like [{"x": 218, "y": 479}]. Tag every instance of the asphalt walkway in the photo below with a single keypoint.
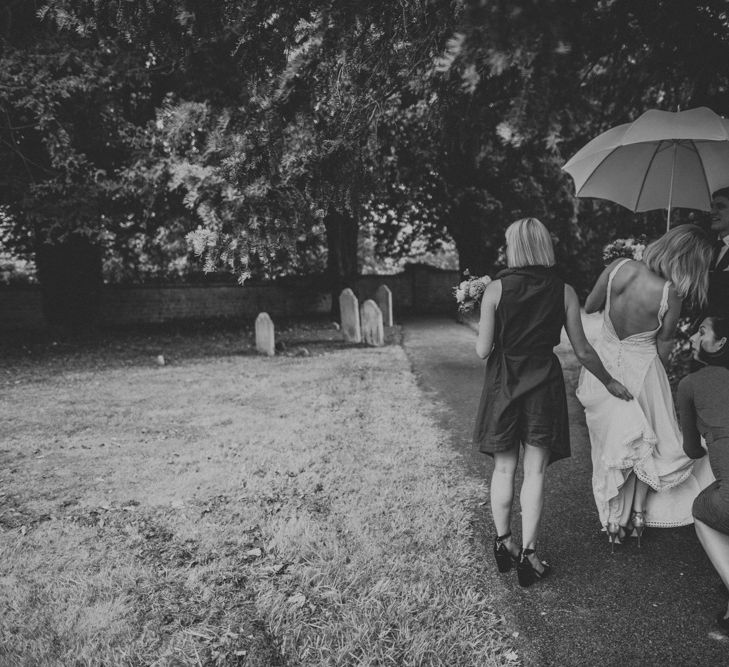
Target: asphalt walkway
[{"x": 653, "y": 606}]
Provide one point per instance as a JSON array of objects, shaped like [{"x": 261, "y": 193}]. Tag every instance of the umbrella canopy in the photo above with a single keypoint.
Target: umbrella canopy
[{"x": 663, "y": 159}]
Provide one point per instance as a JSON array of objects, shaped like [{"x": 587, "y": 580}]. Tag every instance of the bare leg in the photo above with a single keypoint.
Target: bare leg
[
  {"x": 532, "y": 497},
  {"x": 625, "y": 500},
  {"x": 502, "y": 494},
  {"x": 641, "y": 492},
  {"x": 716, "y": 546}
]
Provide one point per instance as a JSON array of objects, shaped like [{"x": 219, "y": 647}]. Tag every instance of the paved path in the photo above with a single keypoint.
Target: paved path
[{"x": 652, "y": 606}]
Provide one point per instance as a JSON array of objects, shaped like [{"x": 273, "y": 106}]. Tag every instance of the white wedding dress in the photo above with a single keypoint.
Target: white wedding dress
[{"x": 639, "y": 436}]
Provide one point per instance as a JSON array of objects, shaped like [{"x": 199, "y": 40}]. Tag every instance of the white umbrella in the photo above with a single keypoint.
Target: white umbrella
[{"x": 663, "y": 159}]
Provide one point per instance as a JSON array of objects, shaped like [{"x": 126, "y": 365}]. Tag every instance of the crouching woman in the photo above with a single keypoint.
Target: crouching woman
[{"x": 703, "y": 402}]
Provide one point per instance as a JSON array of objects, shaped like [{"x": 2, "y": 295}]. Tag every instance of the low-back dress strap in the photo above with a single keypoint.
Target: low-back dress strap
[{"x": 610, "y": 284}]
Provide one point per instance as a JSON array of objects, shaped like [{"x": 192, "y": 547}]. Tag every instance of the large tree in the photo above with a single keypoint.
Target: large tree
[
  {"x": 71, "y": 104},
  {"x": 290, "y": 95}
]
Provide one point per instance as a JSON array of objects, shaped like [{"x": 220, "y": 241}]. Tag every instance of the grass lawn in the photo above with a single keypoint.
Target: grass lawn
[{"x": 229, "y": 509}]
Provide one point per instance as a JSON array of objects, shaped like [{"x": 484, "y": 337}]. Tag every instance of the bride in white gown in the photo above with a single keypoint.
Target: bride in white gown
[{"x": 637, "y": 445}]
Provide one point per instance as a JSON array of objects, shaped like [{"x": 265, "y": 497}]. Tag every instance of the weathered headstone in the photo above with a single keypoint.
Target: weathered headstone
[
  {"x": 349, "y": 313},
  {"x": 383, "y": 297},
  {"x": 373, "y": 332},
  {"x": 265, "y": 340}
]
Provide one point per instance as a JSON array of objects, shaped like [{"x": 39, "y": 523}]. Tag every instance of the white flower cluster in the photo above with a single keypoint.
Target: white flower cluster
[
  {"x": 631, "y": 248},
  {"x": 468, "y": 292}
]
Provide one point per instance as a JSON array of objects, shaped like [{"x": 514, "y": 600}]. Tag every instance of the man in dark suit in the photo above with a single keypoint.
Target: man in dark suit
[{"x": 719, "y": 272}]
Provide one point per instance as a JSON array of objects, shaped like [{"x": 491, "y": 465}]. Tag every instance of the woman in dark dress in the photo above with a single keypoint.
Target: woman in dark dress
[
  {"x": 703, "y": 402},
  {"x": 524, "y": 400}
]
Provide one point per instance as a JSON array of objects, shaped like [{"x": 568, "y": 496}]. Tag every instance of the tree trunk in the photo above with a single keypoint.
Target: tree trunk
[
  {"x": 476, "y": 243},
  {"x": 70, "y": 274},
  {"x": 472, "y": 254},
  {"x": 342, "y": 269}
]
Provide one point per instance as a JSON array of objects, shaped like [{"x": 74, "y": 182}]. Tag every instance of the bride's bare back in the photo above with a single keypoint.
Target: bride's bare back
[{"x": 635, "y": 301}]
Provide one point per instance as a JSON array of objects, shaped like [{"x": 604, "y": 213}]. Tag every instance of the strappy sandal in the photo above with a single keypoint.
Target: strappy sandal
[
  {"x": 504, "y": 558},
  {"x": 526, "y": 572}
]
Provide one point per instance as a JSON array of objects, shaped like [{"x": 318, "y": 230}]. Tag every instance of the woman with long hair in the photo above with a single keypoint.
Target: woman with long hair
[
  {"x": 524, "y": 400},
  {"x": 637, "y": 447},
  {"x": 703, "y": 398}
]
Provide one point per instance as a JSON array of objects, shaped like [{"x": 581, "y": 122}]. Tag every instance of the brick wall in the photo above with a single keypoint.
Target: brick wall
[
  {"x": 419, "y": 289},
  {"x": 137, "y": 304}
]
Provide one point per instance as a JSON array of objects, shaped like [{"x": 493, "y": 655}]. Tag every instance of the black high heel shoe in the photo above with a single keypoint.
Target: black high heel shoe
[
  {"x": 504, "y": 558},
  {"x": 526, "y": 572}
]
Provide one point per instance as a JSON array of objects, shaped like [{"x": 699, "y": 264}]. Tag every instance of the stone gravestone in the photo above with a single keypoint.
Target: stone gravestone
[
  {"x": 383, "y": 297},
  {"x": 349, "y": 313},
  {"x": 372, "y": 330},
  {"x": 265, "y": 341}
]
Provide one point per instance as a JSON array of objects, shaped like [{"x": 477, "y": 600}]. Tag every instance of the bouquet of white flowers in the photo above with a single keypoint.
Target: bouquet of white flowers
[
  {"x": 468, "y": 292},
  {"x": 632, "y": 248}
]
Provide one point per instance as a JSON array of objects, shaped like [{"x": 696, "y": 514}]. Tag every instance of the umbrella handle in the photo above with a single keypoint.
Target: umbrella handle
[{"x": 670, "y": 190}]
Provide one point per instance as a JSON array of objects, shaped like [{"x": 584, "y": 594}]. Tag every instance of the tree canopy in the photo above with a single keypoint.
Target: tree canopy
[{"x": 267, "y": 130}]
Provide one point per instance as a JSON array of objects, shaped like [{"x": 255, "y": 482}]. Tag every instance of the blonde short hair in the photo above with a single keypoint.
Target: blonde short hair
[
  {"x": 683, "y": 255},
  {"x": 528, "y": 243}
]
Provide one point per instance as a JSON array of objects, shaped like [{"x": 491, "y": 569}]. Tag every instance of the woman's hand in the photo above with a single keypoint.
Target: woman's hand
[{"x": 618, "y": 390}]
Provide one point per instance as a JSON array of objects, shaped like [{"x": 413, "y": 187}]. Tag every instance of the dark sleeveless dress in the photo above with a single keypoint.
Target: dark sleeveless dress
[{"x": 524, "y": 398}]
